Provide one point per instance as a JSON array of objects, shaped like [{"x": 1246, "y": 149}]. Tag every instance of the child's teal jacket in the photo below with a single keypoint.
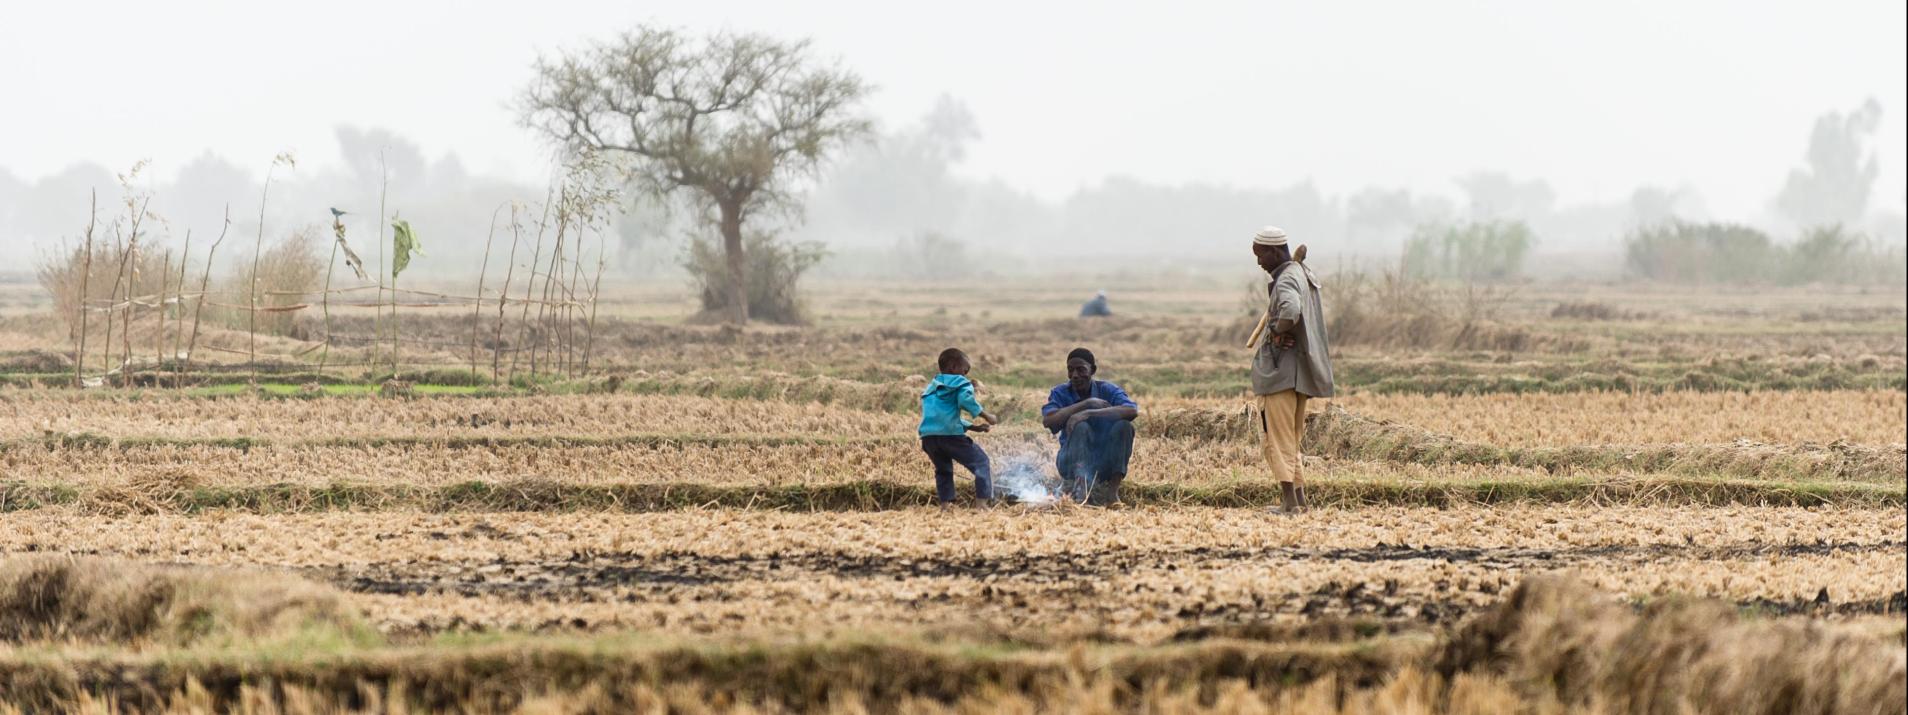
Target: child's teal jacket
[{"x": 942, "y": 403}]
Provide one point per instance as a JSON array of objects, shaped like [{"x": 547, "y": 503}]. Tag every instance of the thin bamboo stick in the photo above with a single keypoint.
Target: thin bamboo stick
[
  {"x": 543, "y": 311},
  {"x": 125, "y": 325},
  {"x": 258, "y": 246},
  {"x": 523, "y": 320},
  {"x": 569, "y": 311},
  {"x": 178, "y": 326},
  {"x": 159, "y": 336},
  {"x": 384, "y": 185},
  {"x": 477, "y": 306},
  {"x": 337, "y": 236},
  {"x": 205, "y": 280},
  {"x": 496, "y": 354},
  {"x": 86, "y": 275},
  {"x": 589, "y": 344}
]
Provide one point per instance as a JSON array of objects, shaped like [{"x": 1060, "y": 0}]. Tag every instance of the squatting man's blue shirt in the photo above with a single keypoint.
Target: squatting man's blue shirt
[{"x": 1062, "y": 397}]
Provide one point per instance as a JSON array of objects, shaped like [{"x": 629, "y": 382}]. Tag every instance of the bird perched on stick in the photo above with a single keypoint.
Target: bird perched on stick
[{"x": 336, "y": 214}]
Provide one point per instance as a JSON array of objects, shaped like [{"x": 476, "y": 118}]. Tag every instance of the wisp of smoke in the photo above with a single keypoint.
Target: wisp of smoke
[{"x": 1023, "y": 478}]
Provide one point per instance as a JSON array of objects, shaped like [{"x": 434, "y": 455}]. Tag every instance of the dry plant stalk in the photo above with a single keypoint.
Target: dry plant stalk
[
  {"x": 337, "y": 239},
  {"x": 570, "y": 353},
  {"x": 258, "y": 247},
  {"x": 125, "y": 274},
  {"x": 545, "y": 332},
  {"x": 159, "y": 334},
  {"x": 205, "y": 282},
  {"x": 536, "y": 254},
  {"x": 384, "y": 183},
  {"x": 477, "y": 303},
  {"x": 178, "y": 324},
  {"x": 596, "y": 286},
  {"x": 86, "y": 272},
  {"x": 503, "y": 297}
]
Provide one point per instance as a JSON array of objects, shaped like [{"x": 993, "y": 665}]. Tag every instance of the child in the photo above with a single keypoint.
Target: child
[{"x": 944, "y": 432}]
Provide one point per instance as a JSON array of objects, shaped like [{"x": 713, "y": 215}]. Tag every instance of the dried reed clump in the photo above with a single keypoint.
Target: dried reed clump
[
  {"x": 1395, "y": 310},
  {"x": 62, "y": 273},
  {"x": 54, "y": 598},
  {"x": 157, "y": 491},
  {"x": 12, "y": 361},
  {"x": 288, "y": 272},
  {"x": 1590, "y": 310},
  {"x": 1555, "y": 637},
  {"x": 1200, "y": 423}
]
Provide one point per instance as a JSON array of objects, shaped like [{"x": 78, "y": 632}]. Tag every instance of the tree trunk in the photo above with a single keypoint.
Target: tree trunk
[{"x": 731, "y": 226}]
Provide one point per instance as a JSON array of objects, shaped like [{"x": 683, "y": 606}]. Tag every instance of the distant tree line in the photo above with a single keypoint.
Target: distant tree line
[
  {"x": 1479, "y": 250},
  {"x": 1687, "y": 252}
]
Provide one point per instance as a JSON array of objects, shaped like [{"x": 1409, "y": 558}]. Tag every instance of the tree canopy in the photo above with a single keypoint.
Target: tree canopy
[{"x": 737, "y": 119}]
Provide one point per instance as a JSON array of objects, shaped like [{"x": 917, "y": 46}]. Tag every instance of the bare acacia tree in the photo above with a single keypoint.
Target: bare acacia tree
[{"x": 737, "y": 119}]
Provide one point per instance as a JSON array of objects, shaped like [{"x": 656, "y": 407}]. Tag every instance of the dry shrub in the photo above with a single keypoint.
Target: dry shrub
[
  {"x": 1203, "y": 423},
  {"x": 775, "y": 269},
  {"x": 57, "y": 598},
  {"x": 288, "y": 272},
  {"x": 14, "y": 361},
  {"x": 1590, "y": 310},
  {"x": 62, "y": 273},
  {"x": 155, "y": 492},
  {"x": 397, "y": 388},
  {"x": 1557, "y": 638},
  {"x": 1395, "y": 310}
]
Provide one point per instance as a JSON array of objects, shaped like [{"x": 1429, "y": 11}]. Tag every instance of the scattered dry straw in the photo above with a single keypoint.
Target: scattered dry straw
[{"x": 64, "y": 599}]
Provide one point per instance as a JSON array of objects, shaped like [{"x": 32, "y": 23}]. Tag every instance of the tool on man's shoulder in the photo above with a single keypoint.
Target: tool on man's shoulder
[{"x": 1265, "y": 321}]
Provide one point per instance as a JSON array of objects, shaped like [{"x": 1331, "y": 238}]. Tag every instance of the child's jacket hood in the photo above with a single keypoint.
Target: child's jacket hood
[
  {"x": 945, "y": 382},
  {"x": 942, "y": 403}
]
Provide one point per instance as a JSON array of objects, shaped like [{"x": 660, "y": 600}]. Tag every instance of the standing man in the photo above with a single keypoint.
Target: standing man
[
  {"x": 1094, "y": 420},
  {"x": 1293, "y": 362}
]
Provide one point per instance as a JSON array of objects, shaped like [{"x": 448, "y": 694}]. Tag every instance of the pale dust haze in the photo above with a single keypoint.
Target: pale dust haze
[{"x": 1194, "y": 121}]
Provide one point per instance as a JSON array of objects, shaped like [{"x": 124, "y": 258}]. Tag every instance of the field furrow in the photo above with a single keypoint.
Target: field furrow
[{"x": 1009, "y": 571}]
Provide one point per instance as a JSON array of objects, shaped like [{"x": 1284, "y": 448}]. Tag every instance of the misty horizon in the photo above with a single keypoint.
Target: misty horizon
[{"x": 1517, "y": 105}]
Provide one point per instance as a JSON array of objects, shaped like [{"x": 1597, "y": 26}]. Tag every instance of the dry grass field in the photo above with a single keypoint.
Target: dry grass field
[
  {"x": 1675, "y": 509},
  {"x": 1867, "y": 417}
]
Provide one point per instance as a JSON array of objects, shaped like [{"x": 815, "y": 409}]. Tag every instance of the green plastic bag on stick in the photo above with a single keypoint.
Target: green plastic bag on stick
[{"x": 403, "y": 244}]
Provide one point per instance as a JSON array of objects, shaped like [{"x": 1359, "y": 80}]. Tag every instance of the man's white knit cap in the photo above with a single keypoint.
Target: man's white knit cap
[{"x": 1269, "y": 236}]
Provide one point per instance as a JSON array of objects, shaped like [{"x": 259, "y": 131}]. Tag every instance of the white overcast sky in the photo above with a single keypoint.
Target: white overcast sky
[{"x": 1596, "y": 97}]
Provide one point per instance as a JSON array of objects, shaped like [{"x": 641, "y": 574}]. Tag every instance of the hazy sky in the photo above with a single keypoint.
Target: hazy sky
[{"x": 1595, "y": 97}]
